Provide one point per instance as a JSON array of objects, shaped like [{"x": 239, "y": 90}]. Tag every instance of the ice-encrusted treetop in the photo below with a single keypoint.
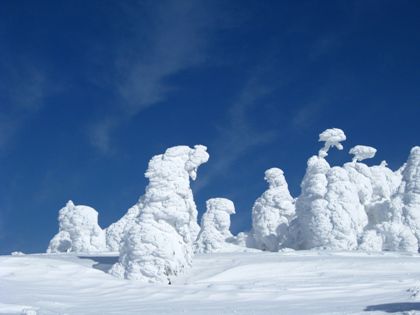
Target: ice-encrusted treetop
[
  {"x": 167, "y": 172},
  {"x": 177, "y": 164},
  {"x": 362, "y": 152},
  {"x": 332, "y": 138},
  {"x": 78, "y": 230},
  {"x": 275, "y": 177}
]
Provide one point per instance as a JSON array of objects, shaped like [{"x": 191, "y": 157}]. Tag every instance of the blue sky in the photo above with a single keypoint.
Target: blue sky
[{"x": 91, "y": 90}]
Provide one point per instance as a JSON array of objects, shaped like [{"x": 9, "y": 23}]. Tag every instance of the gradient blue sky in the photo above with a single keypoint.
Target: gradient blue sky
[{"x": 91, "y": 90}]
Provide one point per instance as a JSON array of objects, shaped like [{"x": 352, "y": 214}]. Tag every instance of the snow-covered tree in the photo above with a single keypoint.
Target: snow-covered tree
[
  {"x": 272, "y": 212},
  {"x": 329, "y": 212},
  {"x": 159, "y": 245},
  {"x": 309, "y": 227},
  {"x": 409, "y": 191},
  {"x": 406, "y": 201},
  {"x": 346, "y": 214},
  {"x": 78, "y": 231},
  {"x": 215, "y": 225},
  {"x": 387, "y": 228},
  {"x": 116, "y": 231}
]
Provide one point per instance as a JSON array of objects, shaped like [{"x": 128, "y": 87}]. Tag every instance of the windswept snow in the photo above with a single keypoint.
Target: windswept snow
[
  {"x": 78, "y": 231},
  {"x": 158, "y": 245},
  {"x": 289, "y": 283}
]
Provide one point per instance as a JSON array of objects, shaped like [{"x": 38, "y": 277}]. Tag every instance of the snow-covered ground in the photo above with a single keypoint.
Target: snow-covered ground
[{"x": 296, "y": 282}]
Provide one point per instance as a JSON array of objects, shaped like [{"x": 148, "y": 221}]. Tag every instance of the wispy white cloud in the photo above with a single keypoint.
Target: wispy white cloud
[
  {"x": 238, "y": 135},
  {"x": 307, "y": 115},
  {"x": 174, "y": 41},
  {"x": 23, "y": 90}
]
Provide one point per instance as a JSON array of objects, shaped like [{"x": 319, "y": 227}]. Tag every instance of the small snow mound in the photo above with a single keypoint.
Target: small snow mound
[
  {"x": 362, "y": 152},
  {"x": 332, "y": 138}
]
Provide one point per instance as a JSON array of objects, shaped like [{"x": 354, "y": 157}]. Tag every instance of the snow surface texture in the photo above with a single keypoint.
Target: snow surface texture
[
  {"x": 78, "y": 231},
  {"x": 272, "y": 212},
  {"x": 159, "y": 244},
  {"x": 215, "y": 225},
  {"x": 332, "y": 138},
  {"x": 287, "y": 283}
]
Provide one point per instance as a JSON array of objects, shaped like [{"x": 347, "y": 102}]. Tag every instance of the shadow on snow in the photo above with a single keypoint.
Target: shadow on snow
[
  {"x": 394, "y": 307},
  {"x": 102, "y": 263}
]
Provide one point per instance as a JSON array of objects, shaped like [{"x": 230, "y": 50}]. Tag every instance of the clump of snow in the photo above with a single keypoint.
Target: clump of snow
[
  {"x": 272, "y": 212},
  {"x": 116, "y": 231},
  {"x": 215, "y": 225},
  {"x": 78, "y": 231},
  {"x": 332, "y": 138},
  {"x": 159, "y": 244},
  {"x": 362, "y": 152}
]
